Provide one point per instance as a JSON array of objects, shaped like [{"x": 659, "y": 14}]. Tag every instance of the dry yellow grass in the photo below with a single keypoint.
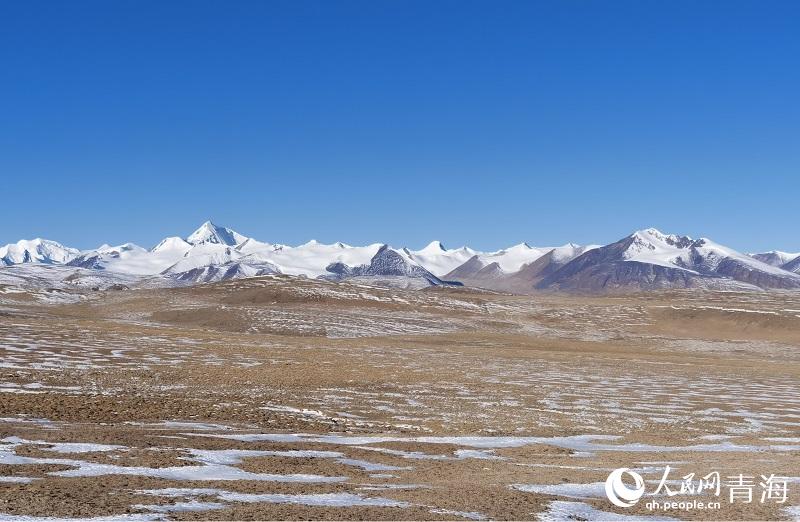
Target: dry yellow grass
[{"x": 677, "y": 377}]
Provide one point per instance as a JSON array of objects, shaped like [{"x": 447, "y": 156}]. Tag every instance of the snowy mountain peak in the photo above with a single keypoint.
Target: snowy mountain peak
[
  {"x": 437, "y": 259},
  {"x": 434, "y": 247},
  {"x": 653, "y": 239},
  {"x": 569, "y": 252},
  {"x": 387, "y": 263},
  {"x": 654, "y": 247},
  {"x": 125, "y": 247},
  {"x": 520, "y": 247},
  {"x": 171, "y": 243},
  {"x": 36, "y": 251},
  {"x": 214, "y": 234}
]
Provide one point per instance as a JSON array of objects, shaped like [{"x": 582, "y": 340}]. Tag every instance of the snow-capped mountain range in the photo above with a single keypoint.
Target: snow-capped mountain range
[{"x": 646, "y": 259}]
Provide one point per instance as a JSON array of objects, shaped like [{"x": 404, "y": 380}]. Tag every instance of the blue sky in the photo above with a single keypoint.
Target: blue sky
[{"x": 485, "y": 123}]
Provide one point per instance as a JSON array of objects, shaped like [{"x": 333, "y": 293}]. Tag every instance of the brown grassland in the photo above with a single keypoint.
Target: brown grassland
[{"x": 283, "y": 398}]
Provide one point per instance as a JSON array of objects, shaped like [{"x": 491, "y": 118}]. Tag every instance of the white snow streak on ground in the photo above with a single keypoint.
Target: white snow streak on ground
[
  {"x": 792, "y": 512},
  {"x": 113, "y": 518},
  {"x": 17, "y": 480},
  {"x": 593, "y": 490},
  {"x": 579, "y": 443},
  {"x": 561, "y": 510},
  {"x": 472, "y": 515},
  {"x": 220, "y": 465},
  {"x": 215, "y": 465},
  {"x": 321, "y": 499}
]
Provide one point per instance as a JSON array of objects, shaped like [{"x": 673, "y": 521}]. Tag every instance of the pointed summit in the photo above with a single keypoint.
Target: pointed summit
[
  {"x": 433, "y": 247},
  {"x": 214, "y": 234},
  {"x": 172, "y": 243},
  {"x": 519, "y": 247}
]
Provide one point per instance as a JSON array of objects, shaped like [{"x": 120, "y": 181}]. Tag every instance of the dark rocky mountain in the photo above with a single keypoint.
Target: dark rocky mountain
[
  {"x": 386, "y": 263},
  {"x": 222, "y": 272}
]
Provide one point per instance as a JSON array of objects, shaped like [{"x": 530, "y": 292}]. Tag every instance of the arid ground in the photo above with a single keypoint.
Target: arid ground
[{"x": 280, "y": 398}]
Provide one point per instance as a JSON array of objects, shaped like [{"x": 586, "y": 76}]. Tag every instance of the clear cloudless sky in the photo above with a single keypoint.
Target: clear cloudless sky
[{"x": 481, "y": 123}]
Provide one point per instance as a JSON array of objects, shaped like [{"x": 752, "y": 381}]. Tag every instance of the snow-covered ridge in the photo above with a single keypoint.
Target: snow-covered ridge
[
  {"x": 654, "y": 247},
  {"x": 682, "y": 252},
  {"x": 437, "y": 259},
  {"x": 777, "y": 258},
  {"x": 214, "y": 252},
  {"x": 212, "y": 244},
  {"x": 512, "y": 259},
  {"x": 36, "y": 251}
]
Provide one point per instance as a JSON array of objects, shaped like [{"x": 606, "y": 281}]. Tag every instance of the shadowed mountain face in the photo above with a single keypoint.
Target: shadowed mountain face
[
  {"x": 606, "y": 268},
  {"x": 637, "y": 263},
  {"x": 736, "y": 270},
  {"x": 93, "y": 261},
  {"x": 595, "y": 274},
  {"x": 475, "y": 273},
  {"x": 775, "y": 258},
  {"x": 533, "y": 273},
  {"x": 491, "y": 276},
  {"x": 385, "y": 263},
  {"x": 645, "y": 260},
  {"x": 41, "y": 251},
  {"x": 793, "y": 265},
  {"x": 223, "y": 272}
]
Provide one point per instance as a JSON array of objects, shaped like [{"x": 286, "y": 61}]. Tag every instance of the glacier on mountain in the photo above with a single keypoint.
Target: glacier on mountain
[{"x": 645, "y": 259}]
